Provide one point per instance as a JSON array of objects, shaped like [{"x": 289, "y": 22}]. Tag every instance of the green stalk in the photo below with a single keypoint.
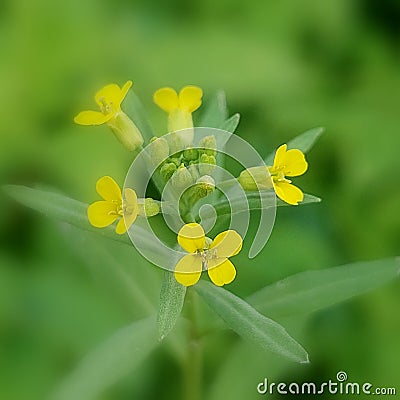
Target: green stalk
[{"x": 193, "y": 364}]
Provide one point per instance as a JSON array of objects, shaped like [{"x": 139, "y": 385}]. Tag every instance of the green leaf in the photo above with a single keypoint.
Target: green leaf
[
  {"x": 312, "y": 290},
  {"x": 303, "y": 142},
  {"x": 112, "y": 360},
  {"x": 215, "y": 112},
  {"x": 250, "y": 324},
  {"x": 60, "y": 207},
  {"x": 138, "y": 115},
  {"x": 225, "y": 207},
  {"x": 111, "y": 267},
  {"x": 172, "y": 297},
  {"x": 231, "y": 123}
]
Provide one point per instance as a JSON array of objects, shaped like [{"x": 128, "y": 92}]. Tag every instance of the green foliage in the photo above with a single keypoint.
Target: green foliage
[
  {"x": 138, "y": 114},
  {"x": 231, "y": 123},
  {"x": 301, "y": 63},
  {"x": 62, "y": 208},
  {"x": 215, "y": 111},
  {"x": 303, "y": 142},
  {"x": 313, "y": 290},
  {"x": 172, "y": 297},
  {"x": 109, "y": 362},
  {"x": 250, "y": 324},
  {"x": 224, "y": 207}
]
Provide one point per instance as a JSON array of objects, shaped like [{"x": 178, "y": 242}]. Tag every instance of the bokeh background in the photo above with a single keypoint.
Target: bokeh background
[{"x": 285, "y": 66}]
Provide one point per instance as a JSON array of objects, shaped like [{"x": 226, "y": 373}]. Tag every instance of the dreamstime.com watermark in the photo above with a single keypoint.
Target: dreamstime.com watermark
[{"x": 340, "y": 386}]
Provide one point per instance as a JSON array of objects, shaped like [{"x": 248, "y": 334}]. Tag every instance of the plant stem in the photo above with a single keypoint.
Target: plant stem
[{"x": 194, "y": 358}]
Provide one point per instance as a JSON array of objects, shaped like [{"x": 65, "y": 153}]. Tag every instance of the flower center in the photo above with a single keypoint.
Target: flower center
[
  {"x": 118, "y": 209},
  {"x": 278, "y": 173},
  {"x": 106, "y": 107},
  {"x": 207, "y": 255}
]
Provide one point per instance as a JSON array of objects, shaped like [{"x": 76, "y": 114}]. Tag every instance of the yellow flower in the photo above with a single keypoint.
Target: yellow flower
[
  {"x": 179, "y": 108},
  {"x": 206, "y": 254},
  {"x": 105, "y": 212},
  {"x": 288, "y": 163},
  {"x": 109, "y": 100}
]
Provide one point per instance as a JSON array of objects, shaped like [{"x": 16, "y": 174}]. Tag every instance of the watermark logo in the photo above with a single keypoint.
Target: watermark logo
[
  {"x": 189, "y": 177},
  {"x": 339, "y": 386}
]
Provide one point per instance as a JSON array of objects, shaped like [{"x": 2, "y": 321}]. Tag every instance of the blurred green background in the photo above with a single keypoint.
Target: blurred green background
[{"x": 286, "y": 66}]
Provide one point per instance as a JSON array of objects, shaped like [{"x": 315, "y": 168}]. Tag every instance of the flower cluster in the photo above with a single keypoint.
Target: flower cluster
[{"x": 189, "y": 167}]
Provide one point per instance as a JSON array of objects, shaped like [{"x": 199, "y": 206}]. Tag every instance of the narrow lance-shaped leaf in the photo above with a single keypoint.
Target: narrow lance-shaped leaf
[
  {"x": 313, "y": 290},
  {"x": 62, "y": 208},
  {"x": 303, "y": 142},
  {"x": 172, "y": 297},
  {"x": 137, "y": 112},
  {"x": 109, "y": 270},
  {"x": 228, "y": 125},
  {"x": 250, "y": 324},
  {"x": 231, "y": 123},
  {"x": 252, "y": 202},
  {"x": 215, "y": 111},
  {"x": 112, "y": 360}
]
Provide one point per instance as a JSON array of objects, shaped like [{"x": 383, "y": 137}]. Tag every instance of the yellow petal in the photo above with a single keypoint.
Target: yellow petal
[
  {"x": 108, "y": 189},
  {"x": 294, "y": 162},
  {"x": 223, "y": 273},
  {"x": 91, "y": 118},
  {"x": 191, "y": 237},
  {"x": 288, "y": 193},
  {"x": 124, "y": 90},
  {"x": 121, "y": 227},
  {"x": 227, "y": 244},
  {"x": 130, "y": 198},
  {"x": 131, "y": 207},
  {"x": 110, "y": 94},
  {"x": 279, "y": 155},
  {"x": 190, "y": 98},
  {"x": 167, "y": 99},
  {"x": 188, "y": 270},
  {"x": 102, "y": 213}
]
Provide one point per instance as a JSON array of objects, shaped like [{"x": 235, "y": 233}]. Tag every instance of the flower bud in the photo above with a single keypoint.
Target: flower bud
[
  {"x": 148, "y": 208},
  {"x": 126, "y": 131},
  {"x": 176, "y": 160},
  {"x": 204, "y": 186},
  {"x": 167, "y": 170},
  {"x": 194, "y": 171},
  {"x": 158, "y": 150},
  {"x": 207, "y": 164},
  {"x": 175, "y": 143},
  {"x": 210, "y": 144},
  {"x": 190, "y": 154},
  {"x": 255, "y": 178},
  {"x": 182, "y": 178}
]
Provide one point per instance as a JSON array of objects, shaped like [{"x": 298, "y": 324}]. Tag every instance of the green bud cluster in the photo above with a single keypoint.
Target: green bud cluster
[
  {"x": 209, "y": 145},
  {"x": 190, "y": 154},
  {"x": 167, "y": 170},
  {"x": 191, "y": 167},
  {"x": 205, "y": 185},
  {"x": 182, "y": 178},
  {"x": 158, "y": 150},
  {"x": 207, "y": 164}
]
